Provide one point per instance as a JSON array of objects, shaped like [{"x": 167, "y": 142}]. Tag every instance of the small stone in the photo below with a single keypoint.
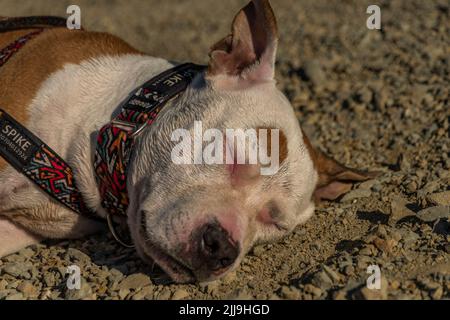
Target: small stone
[
  {"x": 440, "y": 199},
  {"x": 290, "y": 293},
  {"x": 258, "y": 250},
  {"x": 18, "y": 270},
  {"x": 349, "y": 270},
  {"x": 411, "y": 187},
  {"x": 3, "y": 284},
  {"x": 340, "y": 295},
  {"x": 49, "y": 279},
  {"x": 77, "y": 255},
  {"x": 437, "y": 293},
  {"x": 28, "y": 289},
  {"x": 434, "y": 213},
  {"x": 356, "y": 194},
  {"x": 123, "y": 293},
  {"x": 367, "y": 185},
  {"x": 334, "y": 276},
  {"x": 180, "y": 294},
  {"x": 165, "y": 294},
  {"x": 395, "y": 284},
  {"x": 316, "y": 292},
  {"x": 134, "y": 281},
  {"x": 399, "y": 210},
  {"x": 26, "y": 253},
  {"x": 374, "y": 294},
  {"x": 322, "y": 280},
  {"x": 15, "y": 296},
  {"x": 84, "y": 293},
  {"x": 385, "y": 245}
]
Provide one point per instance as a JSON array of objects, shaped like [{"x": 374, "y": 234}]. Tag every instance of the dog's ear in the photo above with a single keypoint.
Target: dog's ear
[
  {"x": 248, "y": 53},
  {"x": 335, "y": 179}
]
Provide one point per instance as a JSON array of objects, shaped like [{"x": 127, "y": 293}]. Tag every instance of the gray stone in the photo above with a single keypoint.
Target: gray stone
[
  {"x": 399, "y": 210},
  {"x": 28, "y": 289},
  {"x": 15, "y": 296},
  {"x": 75, "y": 254},
  {"x": 135, "y": 281},
  {"x": 180, "y": 294},
  {"x": 356, "y": 194},
  {"x": 18, "y": 269},
  {"x": 434, "y": 213},
  {"x": 84, "y": 293},
  {"x": 440, "y": 198},
  {"x": 290, "y": 293}
]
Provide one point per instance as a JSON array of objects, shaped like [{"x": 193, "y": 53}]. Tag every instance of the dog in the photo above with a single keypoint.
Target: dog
[{"x": 196, "y": 222}]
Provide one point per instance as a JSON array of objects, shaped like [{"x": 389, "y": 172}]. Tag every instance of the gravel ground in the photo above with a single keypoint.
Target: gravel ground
[{"x": 374, "y": 99}]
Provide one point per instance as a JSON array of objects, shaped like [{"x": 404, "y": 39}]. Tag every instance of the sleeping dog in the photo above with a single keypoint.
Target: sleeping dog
[{"x": 195, "y": 221}]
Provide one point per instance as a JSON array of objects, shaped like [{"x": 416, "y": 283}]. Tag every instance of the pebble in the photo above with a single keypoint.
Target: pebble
[
  {"x": 19, "y": 270},
  {"x": 258, "y": 250},
  {"x": 315, "y": 291},
  {"x": 123, "y": 293},
  {"x": 334, "y": 276},
  {"x": 165, "y": 294},
  {"x": 374, "y": 294},
  {"x": 15, "y": 296},
  {"x": 434, "y": 213},
  {"x": 28, "y": 289},
  {"x": 399, "y": 210},
  {"x": 440, "y": 199},
  {"x": 180, "y": 294},
  {"x": 144, "y": 293},
  {"x": 322, "y": 280},
  {"x": 356, "y": 194},
  {"x": 134, "y": 281},
  {"x": 84, "y": 293},
  {"x": 77, "y": 255},
  {"x": 290, "y": 293}
]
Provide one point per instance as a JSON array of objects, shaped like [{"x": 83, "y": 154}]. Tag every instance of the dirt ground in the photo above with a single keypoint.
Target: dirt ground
[{"x": 375, "y": 100}]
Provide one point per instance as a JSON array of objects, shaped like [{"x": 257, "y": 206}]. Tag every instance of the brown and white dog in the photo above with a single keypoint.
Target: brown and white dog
[{"x": 64, "y": 85}]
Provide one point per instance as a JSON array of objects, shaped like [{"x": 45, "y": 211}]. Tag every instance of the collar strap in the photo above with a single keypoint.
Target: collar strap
[
  {"x": 23, "y": 150},
  {"x": 116, "y": 139}
]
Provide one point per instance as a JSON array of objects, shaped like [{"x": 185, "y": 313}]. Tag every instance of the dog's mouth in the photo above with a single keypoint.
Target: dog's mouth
[{"x": 175, "y": 269}]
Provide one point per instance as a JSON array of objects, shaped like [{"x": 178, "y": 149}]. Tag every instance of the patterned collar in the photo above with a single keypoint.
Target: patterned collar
[{"x": 115, "y": 140}]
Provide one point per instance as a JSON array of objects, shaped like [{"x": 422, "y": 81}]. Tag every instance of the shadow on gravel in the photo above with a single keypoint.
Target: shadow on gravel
[{"x": 373, "y": 216}]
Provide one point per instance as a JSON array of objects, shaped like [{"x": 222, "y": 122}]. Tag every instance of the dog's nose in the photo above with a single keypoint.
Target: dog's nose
[{"x": 217, "y": 250}]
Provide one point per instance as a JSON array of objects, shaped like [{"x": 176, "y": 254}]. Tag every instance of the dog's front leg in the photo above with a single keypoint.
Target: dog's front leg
[{"x": 14, "y": 238}]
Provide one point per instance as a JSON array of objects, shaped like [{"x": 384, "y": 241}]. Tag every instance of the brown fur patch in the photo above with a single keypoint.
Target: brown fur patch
[
  {"x": 22, "y": 76},
  {"x": 283, "y": 147}
]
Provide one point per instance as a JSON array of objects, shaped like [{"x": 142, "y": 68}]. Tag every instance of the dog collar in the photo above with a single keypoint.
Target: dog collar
[{"x": 116, "y": 139}]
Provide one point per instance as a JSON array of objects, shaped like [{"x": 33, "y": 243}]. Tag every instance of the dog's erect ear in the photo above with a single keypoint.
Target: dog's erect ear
[
  {"x": 248, "y": 53},
  {"x": 335, "y": 179}
]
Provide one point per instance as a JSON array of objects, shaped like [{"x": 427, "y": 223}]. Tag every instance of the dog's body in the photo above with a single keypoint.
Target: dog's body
[
  {"x": 65, "y": 85},
  {"x": 53, "y": 86}
]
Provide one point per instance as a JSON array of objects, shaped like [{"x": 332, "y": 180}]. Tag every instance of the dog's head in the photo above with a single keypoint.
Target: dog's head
[{"x": 197, "y": 219}]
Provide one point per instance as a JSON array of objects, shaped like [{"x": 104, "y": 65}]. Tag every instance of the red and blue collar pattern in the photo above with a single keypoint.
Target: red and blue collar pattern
[{"x": 115, "y": 140}]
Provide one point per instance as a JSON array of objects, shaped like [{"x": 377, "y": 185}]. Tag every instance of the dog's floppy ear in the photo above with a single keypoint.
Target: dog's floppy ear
[
  {"x": 335, "y": 179},
  {"x": 248, "y": 53}
]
